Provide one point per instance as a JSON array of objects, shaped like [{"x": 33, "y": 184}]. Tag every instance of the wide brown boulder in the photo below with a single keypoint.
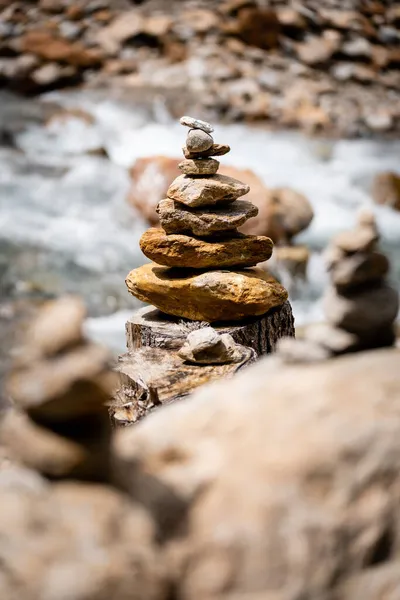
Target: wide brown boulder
[
  {"x": 210, "y": 296},
  {"x": 284, "y": 482}
]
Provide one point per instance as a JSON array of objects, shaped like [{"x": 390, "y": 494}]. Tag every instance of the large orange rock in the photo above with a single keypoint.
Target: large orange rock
[
  {"x": 177, "y": 250},
  {"x": 207, "y": 296}
]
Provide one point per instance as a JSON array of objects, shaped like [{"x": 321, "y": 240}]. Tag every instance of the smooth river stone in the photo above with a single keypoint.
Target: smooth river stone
[
  {"x": 200, "y": 166},
  {"x": 208, "y": 296},
  {"x": 178, "y": 218},
  {"x": 215, "y": 150},
  {"x": 362, "y": 312},
  {"x": 196, "y": 124},
  {"x": 176, "y": 250},
  {"x": 198, "y": 140},
  {"x": 206, "y": 191}
]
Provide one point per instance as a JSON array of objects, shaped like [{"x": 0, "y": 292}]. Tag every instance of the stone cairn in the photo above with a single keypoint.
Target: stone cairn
[
  {"x": 360, "y": 306},
  {"x": 59, "y": 385},
  {"x": 203, "y": 272},
  {"x": 200, "y": 256}
]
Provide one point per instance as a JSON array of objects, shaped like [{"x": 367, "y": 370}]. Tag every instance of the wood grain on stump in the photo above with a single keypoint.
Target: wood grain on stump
[
  {"x": 150, "y": 327},
  {"x": 152, "y": 373}
]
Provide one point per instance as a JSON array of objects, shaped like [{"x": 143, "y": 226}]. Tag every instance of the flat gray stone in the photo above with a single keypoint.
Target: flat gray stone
[
  {"x": 177, "y": 218},
  {"x": 196, "y": 124},
  {"x": 198, "y": 141}
]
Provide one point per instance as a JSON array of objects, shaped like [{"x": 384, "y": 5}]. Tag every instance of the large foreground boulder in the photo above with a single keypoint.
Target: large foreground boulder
[{"x": 282, "y": 483}]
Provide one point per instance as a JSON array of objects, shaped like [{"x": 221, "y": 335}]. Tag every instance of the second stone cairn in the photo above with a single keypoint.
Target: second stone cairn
[{"x": 203, "y": 269}]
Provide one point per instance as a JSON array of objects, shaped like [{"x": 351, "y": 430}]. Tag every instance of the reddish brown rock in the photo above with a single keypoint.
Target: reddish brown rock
[
  {"x": 151, "y": 177},
  {"x": 48, "y": 46},
  {"x": 282, "y": 212},
  {"x": 258, "y": 27},
  {"x": 386, "y": 189},
  {"x": 185, "y": 251}
]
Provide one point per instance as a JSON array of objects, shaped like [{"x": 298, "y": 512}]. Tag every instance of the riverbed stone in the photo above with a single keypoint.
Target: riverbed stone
[
  {"x": 215, "y": 150},
  {"x": 198, "y": 140},
  {"x": 203, "y": 166},
  {"x": 206, "y": 191},
  {"x": 360, "y": 268},
  {"x": 196, "y": 124},
  {"x": 362, "y": 239},
  {"x": 210, "y": 296},
  {"x": 362, "y": 313},
  {"x": 177, "y": 218},
  {"x": 176, "y": 250}
]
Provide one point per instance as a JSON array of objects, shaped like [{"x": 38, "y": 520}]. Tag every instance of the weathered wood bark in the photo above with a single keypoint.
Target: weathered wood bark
[
  {"x": 153, "y": 376},
  {"x": 150, "y": 327},
  {"x": 152, "y": 373}
]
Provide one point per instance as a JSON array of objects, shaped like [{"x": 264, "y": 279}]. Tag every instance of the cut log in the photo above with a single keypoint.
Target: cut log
[
  {"x": 153, "y": 374},
  {"x": 150, "y": 327}
]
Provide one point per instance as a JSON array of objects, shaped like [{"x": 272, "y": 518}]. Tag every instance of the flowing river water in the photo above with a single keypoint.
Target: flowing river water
[{"x": 65, "y": 224}]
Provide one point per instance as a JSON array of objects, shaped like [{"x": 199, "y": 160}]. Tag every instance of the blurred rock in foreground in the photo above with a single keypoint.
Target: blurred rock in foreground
[
  {"x": 282, "y": 483},
  {"x": 61, "y": 383}
]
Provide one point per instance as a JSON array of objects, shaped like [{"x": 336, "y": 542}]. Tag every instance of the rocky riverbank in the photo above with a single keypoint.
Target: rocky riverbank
[{"x": 328, "y": 67}]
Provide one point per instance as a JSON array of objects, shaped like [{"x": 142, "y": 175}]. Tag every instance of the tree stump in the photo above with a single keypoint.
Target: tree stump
[
  {"x": 150, "y": 327},
  {"x": 152, "y": 373}
]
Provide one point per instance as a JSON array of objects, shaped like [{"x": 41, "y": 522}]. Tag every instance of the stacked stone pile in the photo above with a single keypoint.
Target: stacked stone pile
[
  {"x": 360, "y": 301},
  {"x": 59, "y": 385},
  {"x": 206, "y": 270},
  {"x": 360, "y": 306}
]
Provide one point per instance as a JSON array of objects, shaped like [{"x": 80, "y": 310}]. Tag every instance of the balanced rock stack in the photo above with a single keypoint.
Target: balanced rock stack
[
  {"x": 59, "y": 385},
  {"x": 360, "y": 301},
  {"x": 360, "y": 306},
  {"x": 203, "y": 267}
]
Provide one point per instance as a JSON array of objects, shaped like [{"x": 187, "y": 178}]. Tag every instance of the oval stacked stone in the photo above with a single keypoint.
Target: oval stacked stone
[{"x": 207, "y": 266}]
